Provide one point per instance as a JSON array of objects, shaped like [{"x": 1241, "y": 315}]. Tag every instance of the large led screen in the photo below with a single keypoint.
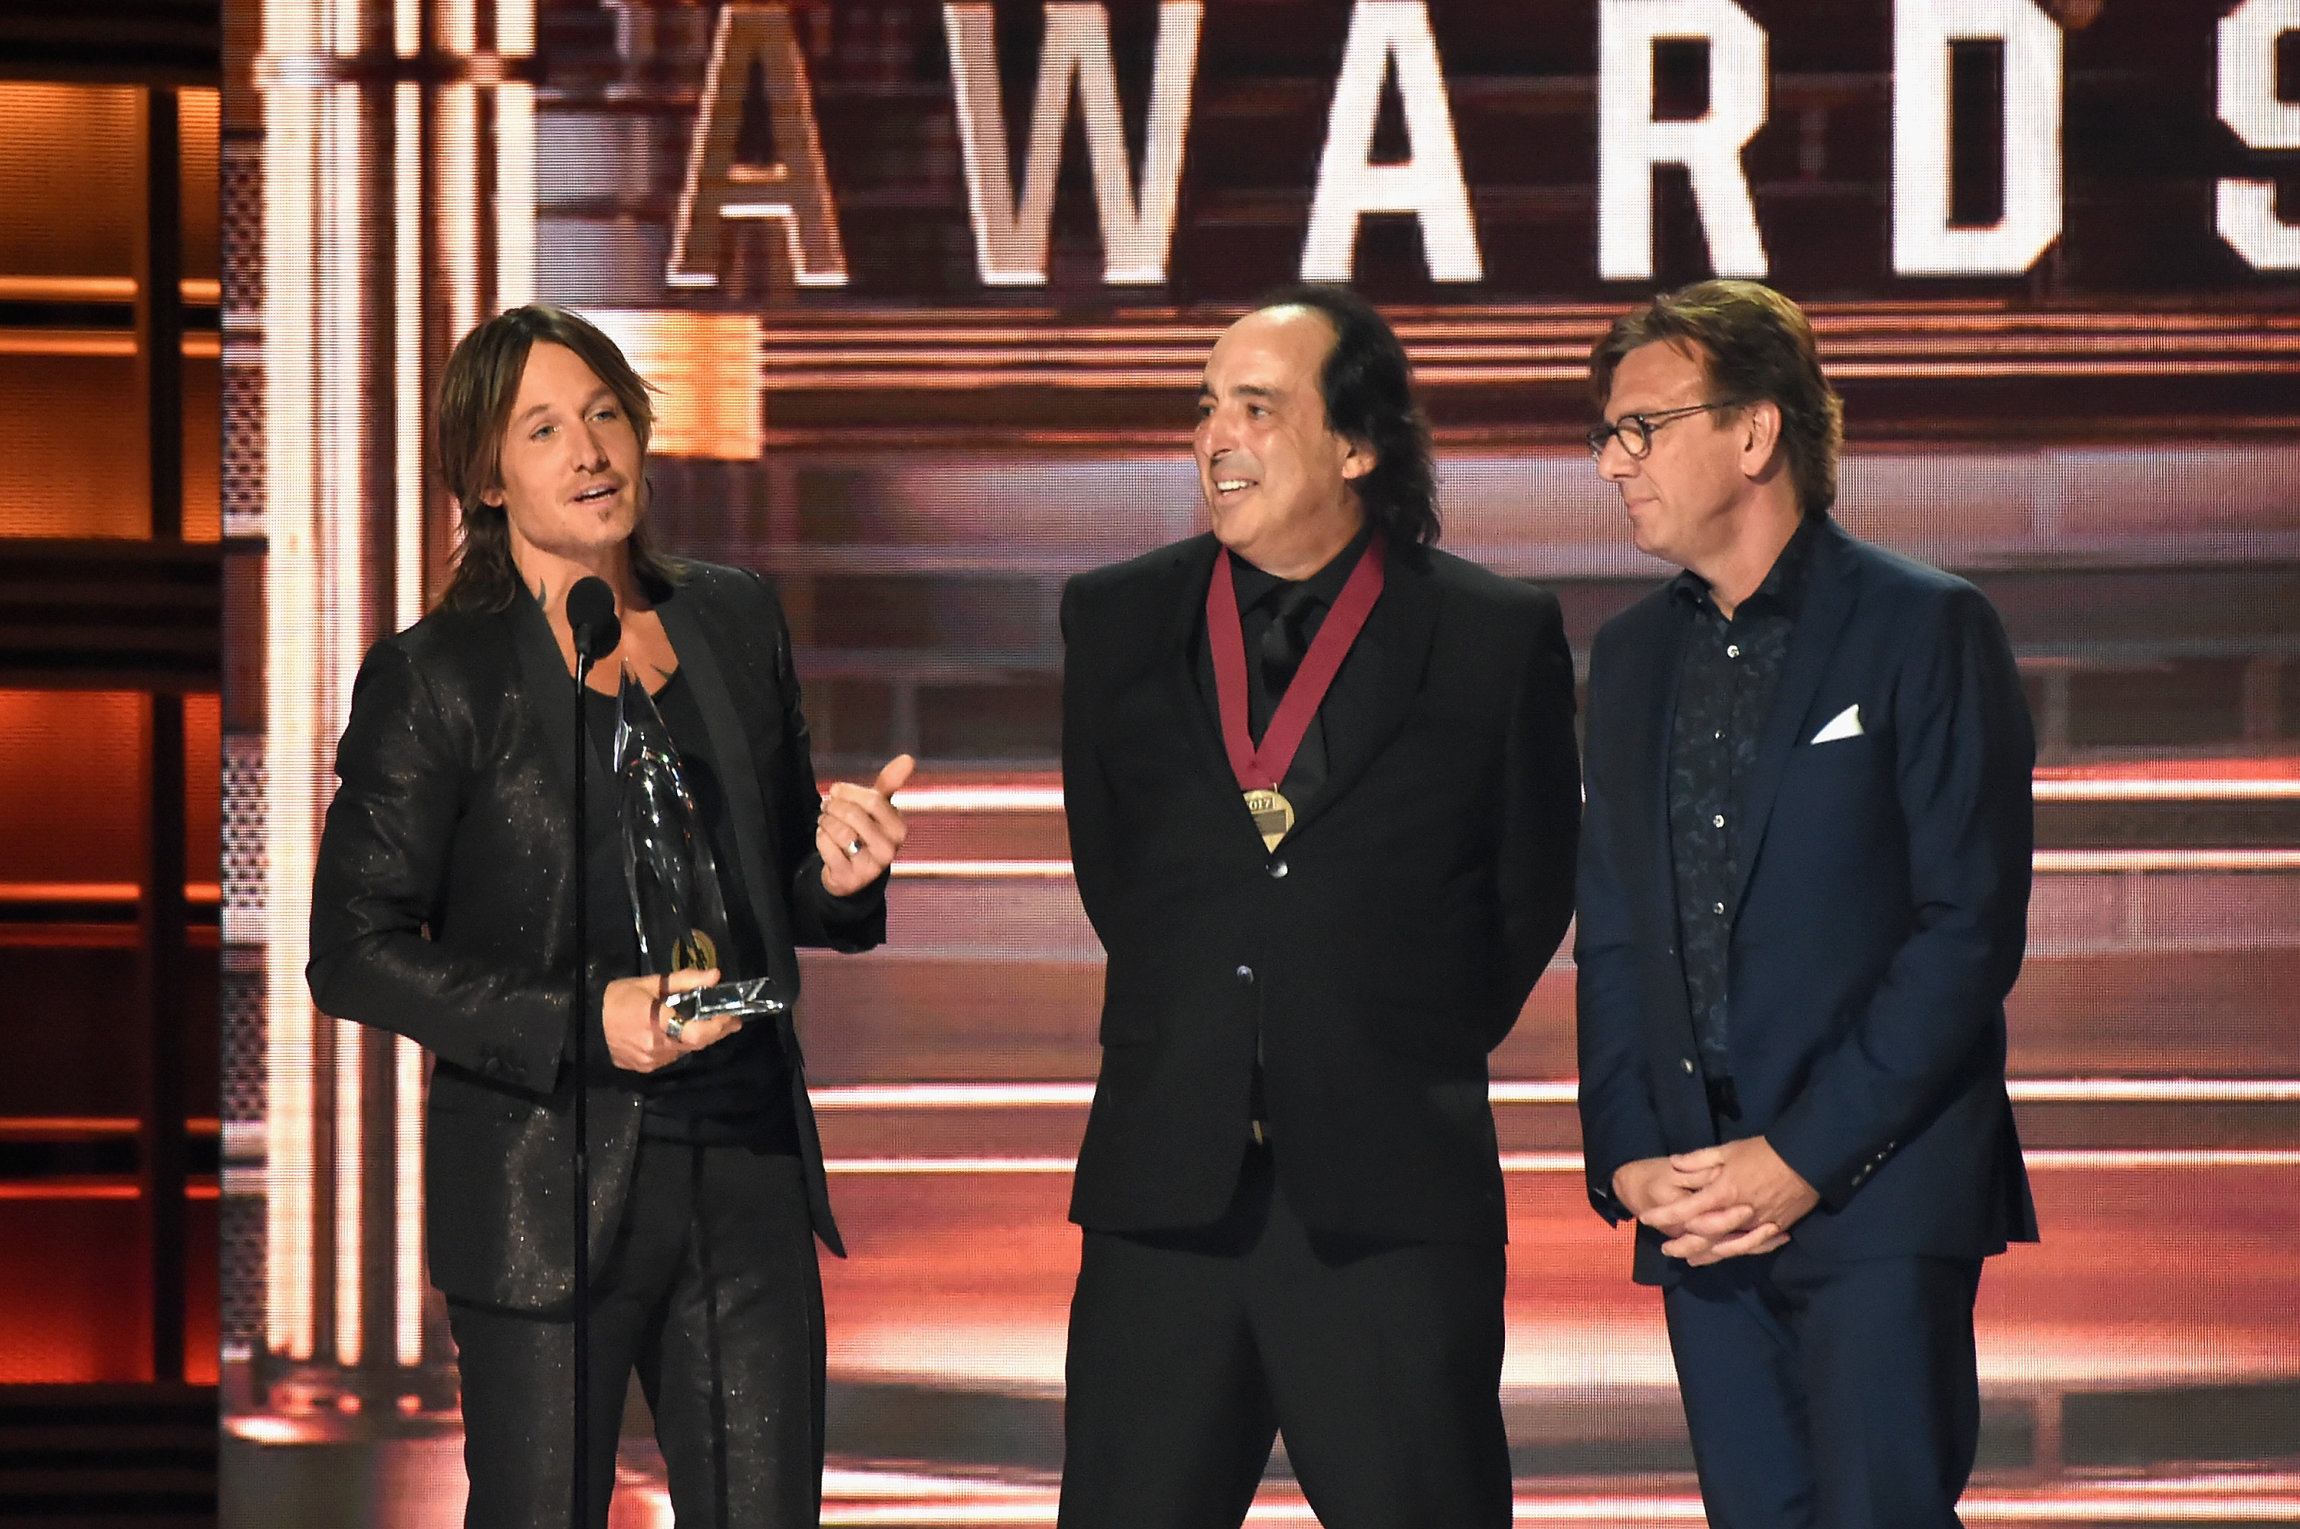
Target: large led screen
[{"x": 926, "y": 290}]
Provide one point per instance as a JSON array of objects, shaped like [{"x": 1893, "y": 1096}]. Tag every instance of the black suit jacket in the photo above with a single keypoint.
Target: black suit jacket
[
  {"x": 1378, "y": 955},
  {"x": 442, "y": 907},
  {"x": 1884, "y": 881}
]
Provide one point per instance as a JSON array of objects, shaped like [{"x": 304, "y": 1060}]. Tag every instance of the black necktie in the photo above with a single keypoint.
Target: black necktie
[{"x": 1286, "y": 640}]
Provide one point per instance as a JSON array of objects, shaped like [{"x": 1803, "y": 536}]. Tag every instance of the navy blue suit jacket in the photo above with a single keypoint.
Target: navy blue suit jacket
[{"x": 1884, "y": 882}]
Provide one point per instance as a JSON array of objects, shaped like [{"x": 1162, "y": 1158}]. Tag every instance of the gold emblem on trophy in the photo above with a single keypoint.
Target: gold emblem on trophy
[{"x": 694, "y": 952}]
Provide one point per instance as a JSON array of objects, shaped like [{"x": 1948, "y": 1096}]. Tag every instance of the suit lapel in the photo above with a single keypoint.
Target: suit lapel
[
  {"x": 1828, "y": 601},
  {"x": 1395, "y": 647},
  {"x": 1195, "y": 569},
  {"x": 550, "y": 689},
  {"x": 737, "y": 770}
]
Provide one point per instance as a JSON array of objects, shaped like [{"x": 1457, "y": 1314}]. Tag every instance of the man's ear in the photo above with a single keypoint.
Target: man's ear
[
  {"x": 1760, "y": 436},
  {"x": 1358, "y": 458}
]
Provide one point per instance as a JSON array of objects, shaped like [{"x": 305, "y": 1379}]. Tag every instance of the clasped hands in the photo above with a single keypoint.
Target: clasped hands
[{"x": 1718, "y": 1203}]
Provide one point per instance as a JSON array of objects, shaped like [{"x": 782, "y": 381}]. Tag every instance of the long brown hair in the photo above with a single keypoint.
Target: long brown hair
[{"x": 475, "y": 399}]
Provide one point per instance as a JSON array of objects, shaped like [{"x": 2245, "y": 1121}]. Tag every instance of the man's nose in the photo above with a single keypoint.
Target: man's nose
[
  {"x": 590, "y": 446},
  {"x": 1614, "y": 463}
]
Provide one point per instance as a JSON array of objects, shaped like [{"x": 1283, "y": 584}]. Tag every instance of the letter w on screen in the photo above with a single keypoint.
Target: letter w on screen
[
  {"x": 795, "y": 192},
  {"x": 1010, "y": 238}
]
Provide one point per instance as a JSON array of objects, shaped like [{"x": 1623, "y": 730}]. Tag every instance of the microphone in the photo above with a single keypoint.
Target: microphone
[{"x": 591, "y": 612}]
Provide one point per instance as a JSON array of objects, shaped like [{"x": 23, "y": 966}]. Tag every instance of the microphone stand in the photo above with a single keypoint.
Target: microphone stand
[{"x": 589, "y": 637}]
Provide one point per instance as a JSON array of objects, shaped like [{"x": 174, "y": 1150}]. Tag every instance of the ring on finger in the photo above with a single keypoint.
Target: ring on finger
[
  {"x": 854, "y": 848},
  {"x": 674, "y": 1026}
]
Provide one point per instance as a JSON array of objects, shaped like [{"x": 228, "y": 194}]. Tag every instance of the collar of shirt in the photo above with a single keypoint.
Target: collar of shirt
[
  {"x": 1253, "y": 585},
  {"x": 1783, "y": 589}
]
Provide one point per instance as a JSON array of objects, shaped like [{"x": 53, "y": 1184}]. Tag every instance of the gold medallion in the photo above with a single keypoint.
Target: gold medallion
[
  {"x": 1273, "y": 816},
  {"x": 695, "y": 952}
]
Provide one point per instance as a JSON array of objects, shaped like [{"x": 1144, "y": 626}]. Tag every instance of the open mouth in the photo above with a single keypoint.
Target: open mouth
[
  {"x": 598, "y": 492},
  {"x": 1226, "y": 488}
]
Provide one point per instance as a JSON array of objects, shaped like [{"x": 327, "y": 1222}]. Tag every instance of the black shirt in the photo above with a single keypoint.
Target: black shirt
[
  {"x": 1259, "y": 594},
  {"x": 737, "y": 1091},
  {"x": 1724, "y": 691}
]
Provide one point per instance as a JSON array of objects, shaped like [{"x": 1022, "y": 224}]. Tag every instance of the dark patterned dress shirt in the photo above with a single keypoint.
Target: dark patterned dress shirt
[{"x": 1724, "y": 690}]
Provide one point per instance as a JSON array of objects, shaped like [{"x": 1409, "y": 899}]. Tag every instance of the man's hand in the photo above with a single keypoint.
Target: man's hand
[
  {"x": 1745, "y": 1200},
  {"x": 1651, "y": 1183},
  {"x": 860, "y": 830},
  {"x": 633, "y": 1015}
]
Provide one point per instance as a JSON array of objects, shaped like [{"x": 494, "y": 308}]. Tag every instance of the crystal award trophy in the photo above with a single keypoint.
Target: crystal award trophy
[{"x": 676, "y": 905}]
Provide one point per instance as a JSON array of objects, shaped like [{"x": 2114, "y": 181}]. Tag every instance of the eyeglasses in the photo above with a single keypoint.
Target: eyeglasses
[{"x": 1636, "y": 430}]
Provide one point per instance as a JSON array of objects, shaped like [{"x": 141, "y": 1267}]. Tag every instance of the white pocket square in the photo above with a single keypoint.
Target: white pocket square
[{"x": 1845, "y": 724}]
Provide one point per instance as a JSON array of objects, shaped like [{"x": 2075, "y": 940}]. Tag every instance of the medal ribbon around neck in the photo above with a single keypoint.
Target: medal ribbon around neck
[{"x": 1261, "y": 770}]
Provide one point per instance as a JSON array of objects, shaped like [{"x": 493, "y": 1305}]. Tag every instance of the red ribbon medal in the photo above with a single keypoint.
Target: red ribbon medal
[{"x": 1261, "y": 770}]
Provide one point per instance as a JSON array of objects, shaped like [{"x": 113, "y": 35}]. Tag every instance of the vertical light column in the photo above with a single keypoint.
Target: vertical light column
[
  {"x": 315, "y": 598},
  {"x": 291, "y": 172},
  {"x": 407, "y": 1179},
  {"x": 343, "y": 377},
  {"x": 407, "y": 607},
  {"x": 514, "y": 158},
  {"x": 407, "y": 353},
  {"x": 455, "y": 168}
]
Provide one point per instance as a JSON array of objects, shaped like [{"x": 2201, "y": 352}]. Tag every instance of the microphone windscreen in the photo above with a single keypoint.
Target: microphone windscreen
[{"x": 591, "y": 612}]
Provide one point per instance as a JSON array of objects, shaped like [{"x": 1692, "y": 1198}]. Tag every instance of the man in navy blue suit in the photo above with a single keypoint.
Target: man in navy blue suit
[{"x": 1803, "y": 894}]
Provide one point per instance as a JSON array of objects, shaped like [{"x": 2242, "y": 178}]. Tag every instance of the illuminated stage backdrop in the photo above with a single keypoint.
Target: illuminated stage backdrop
[{"x": 927, "y": 289}]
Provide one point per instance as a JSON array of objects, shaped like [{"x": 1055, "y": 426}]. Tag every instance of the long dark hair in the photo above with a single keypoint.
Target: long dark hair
[
  {"x": 475, "y": 399},
  {"x": 1368, "y": 385}
]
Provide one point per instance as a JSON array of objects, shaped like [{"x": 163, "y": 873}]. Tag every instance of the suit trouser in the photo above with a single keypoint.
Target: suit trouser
[
  {"x": 1829, "y": 1396},
  {"x": 1380, "y": 1363},
  {"x": 712, "y": 1294}
]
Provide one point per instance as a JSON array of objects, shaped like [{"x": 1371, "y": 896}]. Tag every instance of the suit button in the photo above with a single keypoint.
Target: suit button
[
  {"x": 1687, "y": 1064},
  {"x": 1277, "y": 870},
  {"x": 1245, "y": 976}
]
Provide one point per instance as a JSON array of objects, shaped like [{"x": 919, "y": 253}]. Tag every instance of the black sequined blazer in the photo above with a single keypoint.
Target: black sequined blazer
[{"x": 443, "y": 907}]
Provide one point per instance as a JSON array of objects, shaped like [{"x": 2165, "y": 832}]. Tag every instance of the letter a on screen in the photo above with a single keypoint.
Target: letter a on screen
[
  {"x": 1428, "y": 183},
  {"x": 794, "y": 191}
]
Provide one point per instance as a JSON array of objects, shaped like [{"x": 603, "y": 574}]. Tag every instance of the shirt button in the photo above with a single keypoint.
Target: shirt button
[
  {"x": 1277, "y": 870},
  {"x": 1245, "y": 976},
  {"x": 1717, "y": 821},
  {"x": 1687, "y": 1064},
  {"x": 1719, "y": 735},
  {"x": 1732, "y": 650},
  {"x": 1720, "y": 908}
]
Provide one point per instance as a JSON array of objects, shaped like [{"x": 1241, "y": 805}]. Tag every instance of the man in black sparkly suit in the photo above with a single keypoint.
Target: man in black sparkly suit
[
  {"x": 443, "y": 908},
  {"x": 1802, "y": 899}
]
